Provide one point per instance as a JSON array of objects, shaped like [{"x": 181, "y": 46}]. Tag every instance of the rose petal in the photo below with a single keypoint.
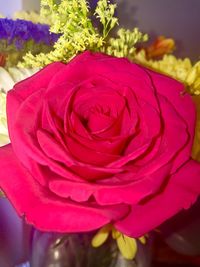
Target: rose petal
[
  {"x": 21, "y": 128},
  {"x": 99, "y": 122},
  {"x": 106, "y": 66},
  {"x": 131, "y": 156},
  {"x": 55, "y": 154},
  {"x": 181, "y": 192},
  {"x": 104, "y": 195},
  {"x": 150, "y": 127},
  {"x": 53, "y": 151},
  {"x": 179, "y": 98},
  {"x": 42, "y": 209},
  {"x": 174, "y": 126},
  {"x": 77, "y": 127},
  {"x": 90, "y": 172},
  {"x": 51, "y": 123},
  {"x": 175, "y": 92},
  {"x": 89, "y": 156},
  {"x": 100, "y": 108},
  {"x": 112, "y": 193},
  {"x": 111, "y": 146},
  {"x": 99, "y": 99},
  {"x": 39, "y": 80}
]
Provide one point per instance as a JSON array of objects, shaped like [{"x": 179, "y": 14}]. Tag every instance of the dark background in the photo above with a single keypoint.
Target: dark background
[{"x": 179, "y": 19}]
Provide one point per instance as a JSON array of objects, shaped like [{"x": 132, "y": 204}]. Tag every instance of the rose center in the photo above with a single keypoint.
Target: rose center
[{"x": 98, "y": 118}]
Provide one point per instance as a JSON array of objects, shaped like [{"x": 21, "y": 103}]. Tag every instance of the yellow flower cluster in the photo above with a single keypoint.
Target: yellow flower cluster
[
  {"x": 33, "y": 16},
  {"x": 72, "y": 20},
  {"x": 180, "y": 69},
  {"x": 196, "y": 144},
  {"x": 126, "y": 245},
  {"x": 124, "y": 44}
]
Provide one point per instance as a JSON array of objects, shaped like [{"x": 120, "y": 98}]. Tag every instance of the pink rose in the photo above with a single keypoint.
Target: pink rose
[{"x": 99, "y": 140}]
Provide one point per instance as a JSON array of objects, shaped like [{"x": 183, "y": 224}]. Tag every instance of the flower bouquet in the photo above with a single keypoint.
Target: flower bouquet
[{"x": 94, "y": 163}]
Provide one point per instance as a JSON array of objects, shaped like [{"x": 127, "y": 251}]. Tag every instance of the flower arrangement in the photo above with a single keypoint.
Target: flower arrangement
[{"x": 93, "y": 142}]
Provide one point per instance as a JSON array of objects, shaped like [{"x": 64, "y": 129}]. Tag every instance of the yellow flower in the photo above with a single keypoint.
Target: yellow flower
[
  {"x": 4, "y": 139},
  {"x": 180, "y": 69},
  {"x": 196, "y": 144},
  {"x": 126, "y": 245}
]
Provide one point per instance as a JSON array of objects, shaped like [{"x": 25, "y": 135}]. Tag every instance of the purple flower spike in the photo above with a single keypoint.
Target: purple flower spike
[{"x": 18, "y": 32}]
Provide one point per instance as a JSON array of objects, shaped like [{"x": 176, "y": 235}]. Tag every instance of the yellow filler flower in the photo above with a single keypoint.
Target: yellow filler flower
[
  {"x": 126, "y": 245},
  {"x": 180, "y": 69}
]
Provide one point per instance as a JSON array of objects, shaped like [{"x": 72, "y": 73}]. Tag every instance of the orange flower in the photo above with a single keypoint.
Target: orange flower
[
  {"x": 2, "y": 60},
  {"x": 160, "y": 47}
]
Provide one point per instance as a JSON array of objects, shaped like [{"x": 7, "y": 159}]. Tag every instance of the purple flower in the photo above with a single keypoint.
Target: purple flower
[{"x": 18, "y": 32}]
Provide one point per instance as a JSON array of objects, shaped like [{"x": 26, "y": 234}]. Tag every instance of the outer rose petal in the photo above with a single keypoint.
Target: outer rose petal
[
  {"x": 174, "y": 91},
  {"x": 122, "y": 71},
  {"x": 37, "y": 81},
  {"x": 33, "y": 89},
  {"x": 181, "y": 192},
  {"x": 112, "y": 194},
  {"x": 42, "y": 209}
]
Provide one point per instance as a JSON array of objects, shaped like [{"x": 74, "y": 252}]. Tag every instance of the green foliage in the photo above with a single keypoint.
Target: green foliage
[
  {"x": 105, "y": 13},
  {"x": 13, "y": 56},
  {"x": 72, "y": 20}
]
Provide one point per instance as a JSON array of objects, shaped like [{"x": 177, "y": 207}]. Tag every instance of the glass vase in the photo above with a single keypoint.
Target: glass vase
[{"x": 75, "y": 250}]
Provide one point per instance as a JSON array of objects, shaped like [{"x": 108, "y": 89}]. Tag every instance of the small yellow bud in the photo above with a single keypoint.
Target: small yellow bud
[
  {"x": 142, "y": 239},
  {"x": 197, "y": 84},
  {"x": 101, "y": 236},
  {"x": 191, "y": 76},
  {"x": 127, "y": 246}
]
